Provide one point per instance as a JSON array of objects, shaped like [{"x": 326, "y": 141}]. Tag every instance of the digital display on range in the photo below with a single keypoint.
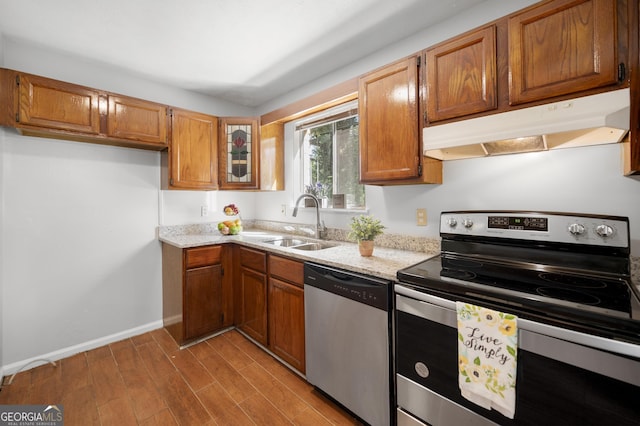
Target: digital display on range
[{"x": 519, "y": 223}]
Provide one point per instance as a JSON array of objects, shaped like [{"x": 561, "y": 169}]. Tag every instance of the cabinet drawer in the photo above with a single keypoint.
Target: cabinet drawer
[
  {"x": 201, "y": 256},
  {"x": 254, "y": 259},
  {"x": 287, "y": 269}
]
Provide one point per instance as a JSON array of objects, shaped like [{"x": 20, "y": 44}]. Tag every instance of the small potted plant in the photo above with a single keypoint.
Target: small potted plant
[{"x": 363, "y": 230}]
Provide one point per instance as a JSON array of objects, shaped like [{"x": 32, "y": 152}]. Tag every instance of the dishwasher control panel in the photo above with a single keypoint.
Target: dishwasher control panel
[{"x": 361, "y": 288}]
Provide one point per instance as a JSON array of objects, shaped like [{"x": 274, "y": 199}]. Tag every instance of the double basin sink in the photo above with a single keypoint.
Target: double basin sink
[{"x": 299, "y": 243}]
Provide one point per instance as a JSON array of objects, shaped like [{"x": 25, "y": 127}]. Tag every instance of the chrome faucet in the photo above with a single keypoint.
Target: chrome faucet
[{"x": 321, "y": 230}]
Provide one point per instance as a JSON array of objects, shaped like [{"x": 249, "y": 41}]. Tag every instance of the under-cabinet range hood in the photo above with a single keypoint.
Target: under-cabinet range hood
[{"x": 589, "y": 120}]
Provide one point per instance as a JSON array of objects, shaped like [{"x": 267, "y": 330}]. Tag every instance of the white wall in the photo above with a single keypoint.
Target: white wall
[
  {"x": 35, "y": 60},
  {"x": 80, "y": 261},
  {"x": 479, "y": 15},
  {"x": 583, "y": 180}
]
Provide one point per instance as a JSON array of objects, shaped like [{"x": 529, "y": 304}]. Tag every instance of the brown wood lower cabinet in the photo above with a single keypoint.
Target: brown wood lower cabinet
[
  {"x": 270, "y": 303},
  {"x": 252, "y": 294},
  {"x": 197, "y": 297},
  {"x": 286, "y": 310},
  {"x": 203, "y": 300}
]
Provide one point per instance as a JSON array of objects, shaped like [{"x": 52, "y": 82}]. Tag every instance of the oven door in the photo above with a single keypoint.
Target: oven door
[{"x": 559, "y": 381}]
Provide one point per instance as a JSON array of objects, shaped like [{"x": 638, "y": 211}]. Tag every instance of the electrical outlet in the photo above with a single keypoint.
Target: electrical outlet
[
  {"x": 421, "y": 217},
  {"x": 204, "y": 211},
  {"x": 283, "y": 209}
]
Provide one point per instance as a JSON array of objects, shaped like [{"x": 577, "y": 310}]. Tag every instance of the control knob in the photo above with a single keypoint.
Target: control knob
[
  {"x": 452, "y": 222},
  {"x": 576, "y": 229},
  {"x": 604, "y": 230},
  {"x": 467, "y": 223}
]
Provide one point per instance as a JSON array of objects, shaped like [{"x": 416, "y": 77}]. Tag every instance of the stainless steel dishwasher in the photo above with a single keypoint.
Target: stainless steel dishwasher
[{"x": 347, "y": 336}]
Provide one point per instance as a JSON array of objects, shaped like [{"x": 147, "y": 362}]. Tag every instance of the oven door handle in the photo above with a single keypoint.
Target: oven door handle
[{"x": 592, "y": 353}]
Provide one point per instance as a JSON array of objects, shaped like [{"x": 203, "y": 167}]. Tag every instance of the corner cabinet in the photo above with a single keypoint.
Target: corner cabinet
[
  {"x": 461, "y": 77},
  {"x": 192, "y": 158},
  {"x": 239, "y": 146},
  {"x": 40, "y": 106},
  {"x": 562, "y": 47},
  {"x": 391, "y": 128},
  {"x": 197, "y": 297}
]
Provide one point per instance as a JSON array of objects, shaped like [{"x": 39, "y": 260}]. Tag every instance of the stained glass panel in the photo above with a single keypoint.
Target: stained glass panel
[{"x": 239, "y": 150}]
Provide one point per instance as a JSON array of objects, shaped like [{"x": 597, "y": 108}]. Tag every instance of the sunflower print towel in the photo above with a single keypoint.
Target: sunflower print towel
[{"x": 487, "y": 357}]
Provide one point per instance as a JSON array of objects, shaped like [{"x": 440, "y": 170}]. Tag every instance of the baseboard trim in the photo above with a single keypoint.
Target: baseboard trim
[{"x": 75, "y": 349}]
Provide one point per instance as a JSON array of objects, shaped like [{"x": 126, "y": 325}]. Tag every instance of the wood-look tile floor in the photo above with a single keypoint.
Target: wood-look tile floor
[{"x": 148, "y": 380}]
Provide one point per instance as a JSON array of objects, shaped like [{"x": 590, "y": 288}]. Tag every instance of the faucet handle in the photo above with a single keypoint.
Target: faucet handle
[{"x": 322, "y": 230}]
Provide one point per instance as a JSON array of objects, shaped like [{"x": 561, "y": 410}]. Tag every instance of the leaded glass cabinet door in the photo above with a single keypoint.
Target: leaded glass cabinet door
[{"x": 239, "y": 150}]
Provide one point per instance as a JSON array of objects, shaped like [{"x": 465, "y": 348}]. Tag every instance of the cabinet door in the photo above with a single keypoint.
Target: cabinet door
[
  {"x": 562, "y": 47},
  {"x": 253, "y": 304},
  {"x": 461, "y": 76},
  {"x": 137, "y": 120},
  {"x": 193, "y": 151},
  {"x": 203, "y": 301},
  {"x": 239, "y": 149},
  {"x": 53, "y": 104},
  {"x": 286, "y": 322},
  {"x": 272, "y": 157},
  {"x": 390, "y": 146}
]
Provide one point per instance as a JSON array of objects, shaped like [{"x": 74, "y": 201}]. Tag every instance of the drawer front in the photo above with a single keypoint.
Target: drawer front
[
  {"x": 254, "y": 259},
  {"x": 202, "y": 256},
  {"x": 287, "y": 269}
]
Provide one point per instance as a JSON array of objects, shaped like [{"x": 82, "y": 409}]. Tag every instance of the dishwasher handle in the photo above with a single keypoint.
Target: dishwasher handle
[{"x": 361, "y": 288}]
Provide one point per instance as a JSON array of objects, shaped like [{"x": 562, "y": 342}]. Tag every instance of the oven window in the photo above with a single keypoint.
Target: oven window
[{"x": 548, "y": 391}]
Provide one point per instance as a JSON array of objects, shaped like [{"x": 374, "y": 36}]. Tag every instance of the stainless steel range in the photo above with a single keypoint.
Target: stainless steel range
[{"x": 567, "y": 279}]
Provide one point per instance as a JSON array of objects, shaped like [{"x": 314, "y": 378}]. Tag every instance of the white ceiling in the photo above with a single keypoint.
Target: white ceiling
[{"x": 246, "y": 51}]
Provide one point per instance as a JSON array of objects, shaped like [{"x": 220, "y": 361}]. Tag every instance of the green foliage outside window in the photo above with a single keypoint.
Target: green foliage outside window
[{"x": 333, "y": 161}]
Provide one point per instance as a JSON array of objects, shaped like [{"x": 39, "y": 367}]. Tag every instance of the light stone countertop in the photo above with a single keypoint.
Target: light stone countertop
[{"x": 384, "y": 263}]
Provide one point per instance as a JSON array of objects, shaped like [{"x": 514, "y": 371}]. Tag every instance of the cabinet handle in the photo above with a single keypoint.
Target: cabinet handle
[{"x": 622, "y": 72}]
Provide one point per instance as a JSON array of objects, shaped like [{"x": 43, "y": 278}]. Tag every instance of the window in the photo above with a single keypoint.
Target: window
[{"x": 329, "y": 157}]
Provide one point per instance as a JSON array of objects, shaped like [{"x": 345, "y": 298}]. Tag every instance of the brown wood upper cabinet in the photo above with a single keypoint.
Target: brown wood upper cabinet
[
  {"x": 562, "y": 47},
  {"x": 390, "y": 126},
  {"x": 272, "y": 157},
  {"x": 461, "y": 75},
  {"x": 136, "y": 119},
  {"x": 41, "y": 106},
  {"x": 239, "y": 159},
  {"x": 52, "y": 104},
  {"x": 191, "y": 162}
]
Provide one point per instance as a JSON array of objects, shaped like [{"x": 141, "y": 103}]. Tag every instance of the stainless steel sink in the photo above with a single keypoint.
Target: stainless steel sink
[
  {"x": 312, "y": 246},
  {"x": 286, "y": 242},
  {"x": 299, "y": 244}
]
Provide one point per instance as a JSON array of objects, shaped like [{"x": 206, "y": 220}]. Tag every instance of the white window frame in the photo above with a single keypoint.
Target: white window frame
[{"x": 297, "y": 158}]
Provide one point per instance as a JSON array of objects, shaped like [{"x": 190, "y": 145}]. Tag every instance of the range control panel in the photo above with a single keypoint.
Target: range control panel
[{"x": 539, "y": 226}]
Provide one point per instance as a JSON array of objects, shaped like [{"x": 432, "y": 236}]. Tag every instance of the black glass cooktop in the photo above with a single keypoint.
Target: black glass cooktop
[{"x": 584, "y": 300}]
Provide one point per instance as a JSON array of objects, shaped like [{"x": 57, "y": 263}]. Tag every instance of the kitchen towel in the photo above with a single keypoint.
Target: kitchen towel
[{"x": 487, "y": 357}]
